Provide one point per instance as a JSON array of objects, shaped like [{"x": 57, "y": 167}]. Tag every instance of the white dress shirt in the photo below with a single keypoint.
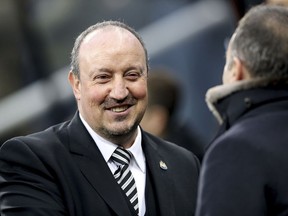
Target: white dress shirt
[{"x": 137, "y": 164}]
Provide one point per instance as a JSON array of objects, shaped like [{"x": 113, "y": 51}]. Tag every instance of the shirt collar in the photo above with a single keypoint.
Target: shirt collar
[
  {"x": 107, "y": 148},
  {"x": 137, "y": 151}
]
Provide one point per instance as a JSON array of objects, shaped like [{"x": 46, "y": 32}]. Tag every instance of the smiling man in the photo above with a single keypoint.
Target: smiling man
[
  {"x": 111, "y": 89},
  {"x": 101, "y": 162}
]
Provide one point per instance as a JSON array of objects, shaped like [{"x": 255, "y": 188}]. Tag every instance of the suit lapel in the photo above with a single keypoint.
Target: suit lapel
[
  {"x": 160, "y": 176},
  {"x": 94, "y": 167}
]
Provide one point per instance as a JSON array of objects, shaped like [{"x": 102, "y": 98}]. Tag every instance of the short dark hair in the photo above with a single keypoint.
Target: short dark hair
[
  {"x": 164, "y": 90},
  {"x": 74, "y": 65},
  {"x": 261, "y": 41}
]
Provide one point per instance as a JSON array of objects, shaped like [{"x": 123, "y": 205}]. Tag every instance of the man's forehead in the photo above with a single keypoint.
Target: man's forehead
[{"x": 103, "y": 32}]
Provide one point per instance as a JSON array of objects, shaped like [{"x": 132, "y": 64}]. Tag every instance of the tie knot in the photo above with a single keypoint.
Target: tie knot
[{"x": 121, "y": 156}]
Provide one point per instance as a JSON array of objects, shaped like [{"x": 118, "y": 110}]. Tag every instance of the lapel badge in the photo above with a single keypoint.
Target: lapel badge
[{"x": 163, "y": 165}]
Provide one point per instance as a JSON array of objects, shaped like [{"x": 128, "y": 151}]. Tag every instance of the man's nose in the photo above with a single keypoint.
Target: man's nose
[{"x": 119, "y": 89}]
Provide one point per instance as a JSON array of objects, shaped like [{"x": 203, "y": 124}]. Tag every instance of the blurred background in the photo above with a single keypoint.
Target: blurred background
[{"x": 187, "y": 37}]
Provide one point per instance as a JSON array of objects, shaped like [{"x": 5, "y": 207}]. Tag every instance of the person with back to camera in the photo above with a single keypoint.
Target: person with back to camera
[
  {"x": 245, "y": 169},
  {"x": 101, "y": 162}
]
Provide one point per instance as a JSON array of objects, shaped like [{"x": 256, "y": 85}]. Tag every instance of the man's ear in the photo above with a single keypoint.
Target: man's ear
[
  {"x": 239, "y": 70},
  {"x": 75, "y": 84}
]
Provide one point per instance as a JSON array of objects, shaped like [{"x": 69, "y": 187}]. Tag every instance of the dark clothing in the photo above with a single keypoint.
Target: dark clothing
[
  {"x": 60, "y": 171},
  {"x": 150, "y": 195},
  {"x": 184, "y": 136},
  {"x": 245, "y": 169}
]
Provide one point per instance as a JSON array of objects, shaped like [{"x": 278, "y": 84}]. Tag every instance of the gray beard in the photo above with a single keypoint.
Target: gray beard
[{"x": 119, "y": 137}]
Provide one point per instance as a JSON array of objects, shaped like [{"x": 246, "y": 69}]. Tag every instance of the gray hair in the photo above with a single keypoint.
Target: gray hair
[
  {"x": 74, "y": 65},
  {"x": 261, "y": 41}
]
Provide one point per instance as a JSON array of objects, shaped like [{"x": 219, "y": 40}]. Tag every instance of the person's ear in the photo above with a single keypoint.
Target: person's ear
[
  {"x": 239, "y": 70},
  {"x": 75, "y": 84}
]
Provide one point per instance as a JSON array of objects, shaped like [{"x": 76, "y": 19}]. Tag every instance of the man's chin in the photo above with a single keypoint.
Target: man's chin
[{"x": 119, "y": 131}]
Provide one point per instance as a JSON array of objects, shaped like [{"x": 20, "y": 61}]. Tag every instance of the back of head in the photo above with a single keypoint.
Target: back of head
[
  {"x": 261, "y": 42},
  {"x": 163, "y": 90}
]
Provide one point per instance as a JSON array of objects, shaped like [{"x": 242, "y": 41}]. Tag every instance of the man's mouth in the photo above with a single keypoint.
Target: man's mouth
[{"x": 119, "y": 109}]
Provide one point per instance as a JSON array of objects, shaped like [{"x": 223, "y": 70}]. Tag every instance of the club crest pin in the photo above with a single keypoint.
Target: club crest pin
[{"x": 163, "y": 165}]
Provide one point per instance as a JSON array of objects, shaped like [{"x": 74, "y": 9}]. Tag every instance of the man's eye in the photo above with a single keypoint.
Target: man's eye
[
  {"x": 133, "y": 75},
  {"x": 101, "y": 78}
]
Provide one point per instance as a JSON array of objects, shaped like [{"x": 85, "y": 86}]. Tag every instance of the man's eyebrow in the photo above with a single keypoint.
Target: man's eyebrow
[
  {"x": 135, "y": 68},
  {"x": 97, "y": 70},
  {"x": 104, "y": 70}
]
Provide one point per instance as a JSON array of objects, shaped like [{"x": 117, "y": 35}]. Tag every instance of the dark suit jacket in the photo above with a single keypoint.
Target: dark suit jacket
[{"x": 60, "y": 171}]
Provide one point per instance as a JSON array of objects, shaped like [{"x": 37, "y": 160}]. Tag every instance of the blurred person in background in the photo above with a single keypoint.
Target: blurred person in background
[
  {"x": 245, "y": 169},
  {"x": 70, "y": 168},
  {"x": 160, "y": 118},
  {"x": 242, "y": 6},
  {"x": 278, "y": 2}
]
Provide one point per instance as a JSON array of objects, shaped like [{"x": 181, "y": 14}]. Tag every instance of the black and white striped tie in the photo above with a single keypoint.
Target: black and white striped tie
[{"x": 124, "y": 176}]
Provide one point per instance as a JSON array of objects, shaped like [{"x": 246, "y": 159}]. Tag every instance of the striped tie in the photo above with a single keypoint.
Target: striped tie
[{"x": 124, "y": 176}]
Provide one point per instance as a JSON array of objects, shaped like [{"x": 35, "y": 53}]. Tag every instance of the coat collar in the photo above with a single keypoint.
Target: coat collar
[
  {"x": 93, "y": 166},
  {"x": 217, "y": 97}
]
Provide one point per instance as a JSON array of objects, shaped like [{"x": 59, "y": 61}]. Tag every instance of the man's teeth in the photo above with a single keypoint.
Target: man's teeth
[{"x": 119, "y": 109}]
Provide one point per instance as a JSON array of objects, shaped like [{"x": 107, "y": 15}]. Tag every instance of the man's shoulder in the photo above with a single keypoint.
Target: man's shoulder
[
  {"x": 35, "y": 151},
  {"x": 162, "y": 142},
  {"x": 41, "y": 139},
  {"x": 167, "y": 148},
  {"x": 243, "y": 140}
]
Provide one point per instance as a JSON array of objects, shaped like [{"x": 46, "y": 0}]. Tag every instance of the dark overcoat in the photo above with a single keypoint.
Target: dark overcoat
[{"x": 245, "y": 169}]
